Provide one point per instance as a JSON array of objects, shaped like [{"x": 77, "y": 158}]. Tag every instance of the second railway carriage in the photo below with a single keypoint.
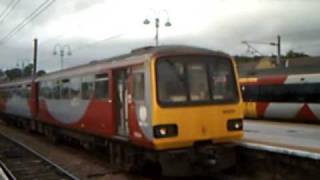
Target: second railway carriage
[
  {"x": 169, "y": 104},
  {"x": 17, "y": 98},
  {"x": 283, "y": 97}
]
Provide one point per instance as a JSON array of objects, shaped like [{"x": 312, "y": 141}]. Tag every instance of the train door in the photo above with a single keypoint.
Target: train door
[{"x": 121, "y": 97}]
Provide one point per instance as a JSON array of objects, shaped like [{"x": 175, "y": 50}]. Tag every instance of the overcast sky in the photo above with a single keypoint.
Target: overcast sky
[{"x": 96, "y": 29}]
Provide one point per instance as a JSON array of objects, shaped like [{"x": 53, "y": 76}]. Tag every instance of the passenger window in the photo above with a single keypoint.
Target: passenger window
[
  {"x": 49, "y": 90},
  {"x": 65, "y": 89},
  {"x": 56, "y": 90},
  {"x": 24, "y": 92},
  {"x": 75, "y": 85},
  {"x": 87, "y": 87},
  {"x": 42, "y": 89},
  {"x": 28, "y": 91},
  {"x": 101, "y": 86}
]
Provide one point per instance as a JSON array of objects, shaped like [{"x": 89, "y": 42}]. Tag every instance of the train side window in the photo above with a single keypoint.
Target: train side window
[
  {"x": 2, "y": 94},
  {"x": 42, "y": 89},
  {"x": 138, "y": 84},
  {"x": 65, "y": 88},
  {"x": 28, "y": 91},
  {"x": 49, "y": 90},
  {"x": 17, "y": 91},
  {"x": 75, "y": 88},
  {"x": 8, "y": 92},
  {"x": 316, "y": 94},
  {"x": 101, "y": 86},
  {"x": 56, "y": 90},
  {"x": 24, "y": 92},
  {"x": 87, "y": 87}
]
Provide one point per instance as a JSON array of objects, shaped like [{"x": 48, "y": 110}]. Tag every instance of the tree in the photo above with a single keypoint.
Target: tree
[
  {"x": 13, "y": 73},
  {"x": 19, "y": 73},
  {"x": 293, "y": 54},
  {"x": 41, "y": 72},
  {"x": 27, "y": 71}
]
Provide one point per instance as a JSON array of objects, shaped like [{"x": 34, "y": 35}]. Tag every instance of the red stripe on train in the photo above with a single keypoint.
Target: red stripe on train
[
  {"x": 272, "y": 80},
  {"x": 261, "y": 108},
  {"x": 306, "y": 114}
]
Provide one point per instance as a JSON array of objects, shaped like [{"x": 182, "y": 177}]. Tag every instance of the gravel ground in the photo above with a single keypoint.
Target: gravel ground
[
  {"x": 76, "y": 160},
  {"x": 82, "y": 163}
]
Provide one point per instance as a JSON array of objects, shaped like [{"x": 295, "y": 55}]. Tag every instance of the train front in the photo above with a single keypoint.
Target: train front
[{"x": 196, "y": 110}]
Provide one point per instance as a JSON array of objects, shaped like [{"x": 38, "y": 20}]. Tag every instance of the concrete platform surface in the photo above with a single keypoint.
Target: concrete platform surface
[{"x": 291, "y": 138}]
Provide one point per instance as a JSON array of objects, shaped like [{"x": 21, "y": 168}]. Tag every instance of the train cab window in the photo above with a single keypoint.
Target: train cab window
[
  {"x": 223, "y": 84},
  {"x": 56, "y": 90},
  {"x": 75, "y": 86},
  {"x": 199, "y": 90},
  {"x": 171, "y": 82},
  {"x": 101, "y": 86},
  {"x": 195, "y": 79},
  {"x": 138, "y": 84},
  {"x": 65, "y": 88},
  {"x": 87, "y": 87}
]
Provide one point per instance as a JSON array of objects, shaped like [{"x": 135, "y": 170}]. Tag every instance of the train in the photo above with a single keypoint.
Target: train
[
  {"x": 293, "y": 97},
  {"x": 177, "y": 108}
]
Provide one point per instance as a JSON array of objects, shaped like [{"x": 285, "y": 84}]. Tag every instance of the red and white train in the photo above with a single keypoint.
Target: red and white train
[
  {"x": 283, "y": 97},
  {"x": 165, "y": 106}
]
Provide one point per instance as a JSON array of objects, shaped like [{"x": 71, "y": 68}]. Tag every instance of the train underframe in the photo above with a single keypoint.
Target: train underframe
[{"x": 203, "y": 159}]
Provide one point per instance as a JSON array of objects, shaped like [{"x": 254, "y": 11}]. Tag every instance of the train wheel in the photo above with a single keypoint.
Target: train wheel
[{"x": 52, "y": 135}]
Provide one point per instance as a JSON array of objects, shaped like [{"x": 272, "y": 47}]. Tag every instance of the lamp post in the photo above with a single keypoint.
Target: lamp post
[
  {"x": 60, "y": 49},
  {"x": 157, "y": 22}
]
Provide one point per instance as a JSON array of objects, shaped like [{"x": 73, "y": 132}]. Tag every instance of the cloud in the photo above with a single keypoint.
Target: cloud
[{"x": 219, "y": 24}]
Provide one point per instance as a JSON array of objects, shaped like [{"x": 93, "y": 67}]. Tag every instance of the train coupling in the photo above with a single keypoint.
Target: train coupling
[{"x": 203, "y": 160}]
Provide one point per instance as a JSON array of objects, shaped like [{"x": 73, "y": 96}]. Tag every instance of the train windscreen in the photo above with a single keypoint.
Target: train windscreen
[{"x": 195, "y": 80}]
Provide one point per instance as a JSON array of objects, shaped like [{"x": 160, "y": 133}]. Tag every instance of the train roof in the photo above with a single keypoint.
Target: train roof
[
  {"x": 134, "y": 57},
  {"x": 138, "y": 55},
  {"x": 17, "y": 82}
]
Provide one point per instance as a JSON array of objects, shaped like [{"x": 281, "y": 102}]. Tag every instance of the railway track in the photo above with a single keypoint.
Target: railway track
[{"x": 20, "y": 162}]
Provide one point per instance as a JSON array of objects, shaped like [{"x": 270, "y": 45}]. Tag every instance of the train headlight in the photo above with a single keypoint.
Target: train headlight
[
  {"x": 235, "y": 124},
  {"x": 168, "y": 130}
]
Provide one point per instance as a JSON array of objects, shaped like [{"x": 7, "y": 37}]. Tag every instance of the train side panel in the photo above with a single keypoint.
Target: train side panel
[
  {"x": 82, "y": 112},
  {"x": 290, "y": 98}
]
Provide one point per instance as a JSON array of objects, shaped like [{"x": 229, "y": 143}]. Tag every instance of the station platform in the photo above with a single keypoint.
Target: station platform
[{"x": 293, "y": 139}]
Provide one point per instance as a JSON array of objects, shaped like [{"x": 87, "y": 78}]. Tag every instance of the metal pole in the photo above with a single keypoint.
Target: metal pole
[
  {"x": 35, "y": 53},
  {"x": 279, "y": 50},
  {"x": 157, "y": 31},
  {"x": 61, "y": 58}
]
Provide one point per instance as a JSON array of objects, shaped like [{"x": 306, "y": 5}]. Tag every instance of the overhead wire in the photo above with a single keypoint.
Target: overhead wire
[
  {"x": 97, "y": 42},
  {"x": 7, "y": 8},
  {"x": 2, "y": 18},
  {"x": 41, "y": 8}
]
